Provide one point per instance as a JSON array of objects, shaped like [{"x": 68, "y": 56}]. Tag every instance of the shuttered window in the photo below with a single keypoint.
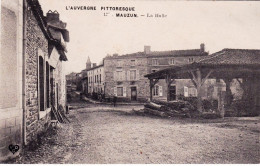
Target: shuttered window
[
  {"x": 41, "y": 82},
  {"x": 133, "y": 75},
  {"x": 120, "y": 91},
  {"x": 155, "y": 62},
  {"x": 156, "y": 90},
  {"x": 48, "y": 84},
  {"x": 160, "y": 91}
]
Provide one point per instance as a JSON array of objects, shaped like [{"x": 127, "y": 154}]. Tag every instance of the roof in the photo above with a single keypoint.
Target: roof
[
  {"x": 38, "y": 13},
  {"x": 225, "y": 63},
  {"x": 233, "y": 56},
  {"x": 175, "y": 53},
  {"x": 94, "y": 67}
]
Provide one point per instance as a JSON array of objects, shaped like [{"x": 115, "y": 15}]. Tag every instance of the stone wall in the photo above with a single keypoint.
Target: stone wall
[
  {"x": 36, "y": 43},
  {"x": 10, "y": 71},
  {"x": 141, "y": 83}
]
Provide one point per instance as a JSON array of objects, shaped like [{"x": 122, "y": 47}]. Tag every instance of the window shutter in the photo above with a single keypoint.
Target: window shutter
[
  {"x": 160, "y": 91},
  {"x": 115, "y": 79},
  {"x": 128, "y": 75},
  {"x": 137, "y": 75},
  {"x": 186, "y": 91},
  {"x": 115, "y": 91},
  {"x": 124, "y": 91}
]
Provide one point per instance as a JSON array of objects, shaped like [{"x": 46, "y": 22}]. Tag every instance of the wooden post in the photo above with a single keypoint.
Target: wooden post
[
  {"x": 151, "y": 89},
  {"x": 152, "y": 83},
  {"x": 167, "y": 79},
  {"x": 228, "y": 97},
  {"x": 168, "y": 85},
  {"x": 220, "y": 101},
  {"x": 199, "y": 84}
]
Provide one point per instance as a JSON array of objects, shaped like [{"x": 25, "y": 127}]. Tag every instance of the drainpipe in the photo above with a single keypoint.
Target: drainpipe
[{"x": 23, "y": 75}]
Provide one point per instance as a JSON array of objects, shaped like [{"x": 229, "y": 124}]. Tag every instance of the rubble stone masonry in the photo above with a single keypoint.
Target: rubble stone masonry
[
  {"x": 141, "y": 83},
  {"x": 35, "y": 41}
]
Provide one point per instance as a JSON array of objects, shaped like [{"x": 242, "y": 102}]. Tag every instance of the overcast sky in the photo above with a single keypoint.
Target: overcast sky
[{"x": 217, "y": 24}]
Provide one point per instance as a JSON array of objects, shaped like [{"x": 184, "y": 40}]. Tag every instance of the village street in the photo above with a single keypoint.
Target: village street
[{"x": 104, "y": 134}]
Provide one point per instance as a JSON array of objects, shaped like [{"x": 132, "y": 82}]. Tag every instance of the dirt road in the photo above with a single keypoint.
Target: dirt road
[{"x": 107, "y": 135}]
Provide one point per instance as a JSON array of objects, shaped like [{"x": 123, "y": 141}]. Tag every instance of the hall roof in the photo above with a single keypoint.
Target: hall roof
[{"x": 225, "y": 63}]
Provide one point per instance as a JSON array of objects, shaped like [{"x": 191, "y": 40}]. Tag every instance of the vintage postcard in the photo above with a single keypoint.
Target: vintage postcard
[{"x": 129, "y": 82}]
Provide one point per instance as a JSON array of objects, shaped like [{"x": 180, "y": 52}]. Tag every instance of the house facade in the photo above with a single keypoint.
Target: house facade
[
  {"x": 96, "y": 79},
  {"x": 124, "y": 75},
  {"x": 11, "y": 78},
  {"x": 34, "y": 80}
]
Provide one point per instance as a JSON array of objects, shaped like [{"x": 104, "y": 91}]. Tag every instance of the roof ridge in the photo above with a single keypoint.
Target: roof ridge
[
  {"x": 213, "y": 56},
  {"x": 239, "y": 49},
  {"x": 178, "y": 50}
]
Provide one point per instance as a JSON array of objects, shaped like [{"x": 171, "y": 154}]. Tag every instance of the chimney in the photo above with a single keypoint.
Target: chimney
[
  {"x": 52, "y": 16},
  {"x": 147, "y": 49},
  {"x": 115, "y": 54},
  {"x": 202, "y": 47},
  {"x": 94, "y": 64}
]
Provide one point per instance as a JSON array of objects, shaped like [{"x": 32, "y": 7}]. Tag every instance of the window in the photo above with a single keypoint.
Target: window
[
  {"x": 191, "y": 60},
  {"x": 119, "y": 91},
  {"x": 156, "y": 90},
  {"x": 119, "y": 75},
  {"x": 192, "y": 92},
  {"x": 132, "y": 62},
  {"x": 171, "y": 61},
  {"x": 155, "y": 62},
  {"x": 119, "y": 63},
  {"x": 41, "y": 83},
  {"x": 48, "y": 84},
  {"x": 133, "y": 75}
]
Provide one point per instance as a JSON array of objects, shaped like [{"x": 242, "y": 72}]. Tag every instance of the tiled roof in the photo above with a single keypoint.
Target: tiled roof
[
  {"x": 191, "y": 52},
  {"x": 233, "y": 56}
]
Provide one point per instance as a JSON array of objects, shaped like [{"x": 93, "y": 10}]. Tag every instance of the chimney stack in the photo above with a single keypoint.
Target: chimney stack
[
  {"x": 202, "y": 47},
  {"x": 94, "y": 64},
  {"x": 52, "y": 16},
  {"x": 147, "y": 49}
]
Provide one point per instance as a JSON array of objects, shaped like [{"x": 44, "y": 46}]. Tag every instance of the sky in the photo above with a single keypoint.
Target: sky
[{"x": 188, "y": 24}]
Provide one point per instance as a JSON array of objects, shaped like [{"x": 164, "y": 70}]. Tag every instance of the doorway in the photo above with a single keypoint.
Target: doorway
[
  {"x": 133, "y": 94},
  {"x": 172, "y": 92}
]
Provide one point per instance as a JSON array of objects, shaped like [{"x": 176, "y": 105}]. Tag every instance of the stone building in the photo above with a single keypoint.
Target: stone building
[
  {"x": 96, "y": 78},
  {"x": 11, "y": 77},
  {"x": 124, "y": 75},
  {"x": 31, "y": 71}
]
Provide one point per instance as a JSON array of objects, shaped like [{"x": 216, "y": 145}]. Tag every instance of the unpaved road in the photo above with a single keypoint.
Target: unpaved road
[{"x": 106, "y": 135}]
